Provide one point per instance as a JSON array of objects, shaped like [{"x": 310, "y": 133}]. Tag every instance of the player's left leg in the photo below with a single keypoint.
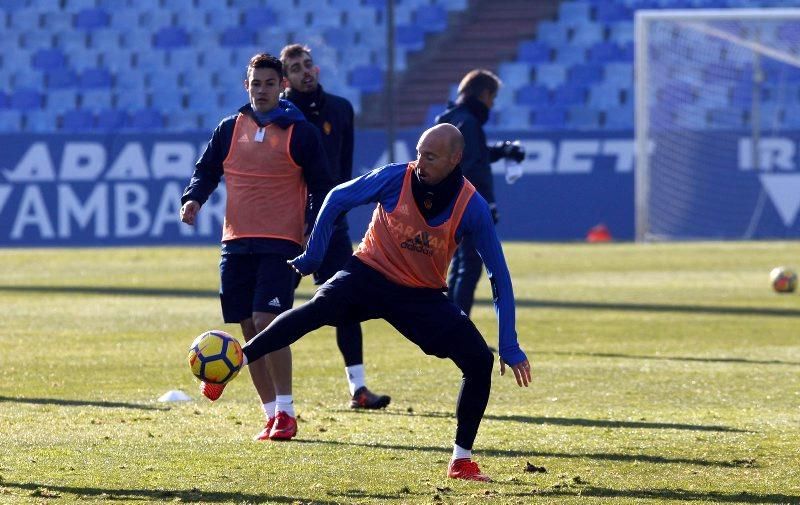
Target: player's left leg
[{"x": 440, "y": 328}]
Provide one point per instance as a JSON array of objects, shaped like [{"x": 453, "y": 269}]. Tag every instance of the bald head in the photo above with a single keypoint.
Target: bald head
[{"x": 438, "y": 152}]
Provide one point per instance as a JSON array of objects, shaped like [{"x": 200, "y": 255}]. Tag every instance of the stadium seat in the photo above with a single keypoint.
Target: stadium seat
[
  {"x": 549, "y": 118},
  {"x": 339, "y": 38},
  {"x": 77, "y": 120},
  {"x": 517, "y": 118},
  {"x": 167, "y": 99},
  {"x": 410, "y": 37},
  {"x": 202, "y": 99},
  {"x": 10, "y": 121},
  {"x": 183, "y": 121},
  {"x": 130, "y": 99},
  {"x": 431, "y": 18},
  {"x": 581, "y": 117},
  {"x": 137, "y": 39},
  {"x": 61, "y": 78},
  {"x": 96, "y": 99},
  {"x": 95, "y": 78},
  {"x": 619, "y": 118},
  {"x": 727, "y": 118},
  {"x": 586, "y": 74},
  {"x": 619, "y": 73},
  {"x": 40, "y": 121},
  {"x": 124, "y": 19},
  {"x": 570, "y": 55},
  {"x": 92, "y": 19},
  {"x": 28, "y": 17},
  {"x": 433, "y": 111},
  {"x": 588, "y": 34},
  {"x": 237, "y": 37},
  {"x": 621, "y": 32},
  {"x": 147, "y": 119},
  {"x": 56, "y": 21},
  {"x": 170, "y": 37},
  {"x": 575, "y": 13},
  {"x": 571, "y": 93},
  {"x": 105, "y": 38},
  {"x": 258, "y": 18},
  {"x": 514, "y": 74},
  {"x": 60, "y": 100},
  {"x": 533, "y": 95},
  {"x": 27, "y": 79},
  {"x": 604, "y": 95},
  {"x": 327, "y": 17},
  {"x": 531, "y": 51},
  {"x": 45, "y": 59},
  {"x": 606, "y": 51},
  {"x": 552, "y": 34},
  {"x": 610, "y": 12},
  {"x": 550, "y": 74},
  {"x": 72, "y": 6},
  {"x": 25, "y": 99},
  {"x": 3, "y": 100},
  {"x": 367, "y": 78}
]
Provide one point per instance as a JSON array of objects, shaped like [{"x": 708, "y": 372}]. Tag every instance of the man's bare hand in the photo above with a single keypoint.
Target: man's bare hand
[
  {"x": 522, "y": 372},
  {"x": 189, "y": 212}
]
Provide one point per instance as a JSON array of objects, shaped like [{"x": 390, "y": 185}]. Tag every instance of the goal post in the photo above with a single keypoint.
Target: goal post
[{"x": 717, "y": 124}]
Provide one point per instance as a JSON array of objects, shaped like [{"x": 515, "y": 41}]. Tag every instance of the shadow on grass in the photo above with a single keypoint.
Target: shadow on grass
[
  {"x": 80, "y": 403},
  {"x": 671, "y": 494},
  {"x": 513, "y": 453},
  {"x": 650, "y": 307},
  {"x": 520, "y": 302},
  {"x": 572, "y": 421},
  {"x": 673, "y": 358},
  {"x": 166, "y": 495}
]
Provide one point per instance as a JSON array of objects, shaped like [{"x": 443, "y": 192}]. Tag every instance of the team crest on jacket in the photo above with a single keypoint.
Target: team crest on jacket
[{"x": 326, "y": 127}]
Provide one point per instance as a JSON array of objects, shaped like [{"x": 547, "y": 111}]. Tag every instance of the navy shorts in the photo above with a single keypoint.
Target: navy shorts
[
  {"x": 424, "y": 316},
  {"x": 255, "y": 283},
  {"x": 339, "y": 251}
]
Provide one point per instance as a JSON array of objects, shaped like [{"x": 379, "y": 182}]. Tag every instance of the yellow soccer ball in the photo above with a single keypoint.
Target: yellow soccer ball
[{"x": 215, "y": 357}]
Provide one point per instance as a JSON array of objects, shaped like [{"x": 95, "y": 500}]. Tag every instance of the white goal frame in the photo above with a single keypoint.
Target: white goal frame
[{"x": 642, "y": 23}]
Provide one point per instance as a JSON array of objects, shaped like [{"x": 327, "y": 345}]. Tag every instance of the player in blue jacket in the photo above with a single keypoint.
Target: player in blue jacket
[{"x": 398, "y": 273}]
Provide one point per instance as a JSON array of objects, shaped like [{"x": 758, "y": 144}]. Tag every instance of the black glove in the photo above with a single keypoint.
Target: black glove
[
  {"x": 495, "y": 213},
  {"x": 512, "y": 150}
]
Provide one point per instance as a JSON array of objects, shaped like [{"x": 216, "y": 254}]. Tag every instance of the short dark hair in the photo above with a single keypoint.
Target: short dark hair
[
  {"x": 265, "y": 60},
  {"x": 293, "y": 51},
  {"x": 477, "y": 81}
]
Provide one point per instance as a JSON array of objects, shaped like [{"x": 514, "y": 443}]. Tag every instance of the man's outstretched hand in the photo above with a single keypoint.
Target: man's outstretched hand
[{"x": 522, "y": 371}]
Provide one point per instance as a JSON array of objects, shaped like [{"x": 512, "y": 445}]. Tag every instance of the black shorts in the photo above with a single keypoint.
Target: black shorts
[
  {"x": 424, "y": 316},
  {"x": 339, "y": 251},
  {"x": 254, "y": 283}
]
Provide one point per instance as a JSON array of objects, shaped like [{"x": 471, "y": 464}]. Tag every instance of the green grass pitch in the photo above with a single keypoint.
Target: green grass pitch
[{"x": 663, "y": 373}]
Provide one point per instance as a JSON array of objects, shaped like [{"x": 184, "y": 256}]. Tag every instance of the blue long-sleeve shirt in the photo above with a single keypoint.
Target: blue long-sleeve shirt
[{"x": 383, "y": 186}]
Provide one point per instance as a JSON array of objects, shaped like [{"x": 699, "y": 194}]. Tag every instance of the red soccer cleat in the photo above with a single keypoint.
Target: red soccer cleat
[
  {"x": 264, "y": 434},
  {"x": 466, "y": 469},
  {"x": 211, "y": 391},
  {"x": 284, "y": 428},
  {"x": 366, "y": 399}
]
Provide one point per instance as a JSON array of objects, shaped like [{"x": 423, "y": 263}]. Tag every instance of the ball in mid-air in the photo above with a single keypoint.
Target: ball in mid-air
[
  {"x": 783, "y": 279},
  {"x": 215, "y": 357}
]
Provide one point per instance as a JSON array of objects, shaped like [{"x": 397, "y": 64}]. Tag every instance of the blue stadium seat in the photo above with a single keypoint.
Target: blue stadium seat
[
  {"x": 531, "y": 51},
  {"x": 606, "y": 51},
  {"x": 619, "y": 118},
  {"x": 55, "y": 21},
  {"x": 97, "y": 77},
  {"x": 552, "y": 33},
  {"x": 105, "y": 38},
  {"x": 72, "y": 6},
  {"x": 28, "y": 17},
  {"x": 610, "y": 12},
  {"x": 570, "y": 55},
  {"x": 621, "y": 32},
  {"x": 514, "y": 74},
  {"x": 553, "y": 118},
  {"x": 130, "y": 100},
  {"x": 3, "y": 100},
  {"x": 10, "y": 121},
  {"x": 45, "y": 59},
  {"x": 583, "y": 118},
  {"x": 431, "y": 18},
  {"x": 96, "y": 99},
  {"x": 604, "y": 95},
  {"x": 167, "y": 99},
  {"x": 60, "y": 100},
  {"x": 575, "y": 13},
  {"x": 533, "y": 95},
  {"x": 619, "y": 73},
  {"x": 146, "y": 119},
  {"x": 171, "y": 37},
  {"x": 40, "y": 121},
  {"x": 551, "y": 74},
  {"x": 727, "y": 118},
  {"x": 202, "y": 99},
  {"x": 367, "y": 78},
  {"x": 25, "y": 99},
  {"x": 183, "y": 121},
  {"x": 587, "y": 73},
  {"x": 92, "y": 19},
  {"x": 27, "y": 78},
  {"x": 433, "y": 111},
  {"x": 61, "y": 78},
  {"x": 517, "y": 118},
  {"x": 258, "y": 18},
  {"x": 137, "y": 39},
  {"x": 237, "y": 37},
  {"x": 588, "y": 34},
  {"x": 410, "y": 37},
  {"x": 571, "y": 93},
  {"x": 77, "y": 120},
  {"x": 327, "y": 17},
  {"x": 124, "y": 19},
  {"x": 339, "y": 38}
]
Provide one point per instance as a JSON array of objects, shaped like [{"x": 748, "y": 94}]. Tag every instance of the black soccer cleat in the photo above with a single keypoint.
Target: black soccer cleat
[{"x": 366, "y": 399}]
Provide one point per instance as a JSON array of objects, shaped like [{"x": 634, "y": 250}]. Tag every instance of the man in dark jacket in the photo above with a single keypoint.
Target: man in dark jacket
[
  {"x": 476, "y": 94},
  {"x": 333, "y": 116}
]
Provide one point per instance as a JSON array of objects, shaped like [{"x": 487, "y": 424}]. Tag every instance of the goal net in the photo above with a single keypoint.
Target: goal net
[{"x": 717, "y": 124}]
